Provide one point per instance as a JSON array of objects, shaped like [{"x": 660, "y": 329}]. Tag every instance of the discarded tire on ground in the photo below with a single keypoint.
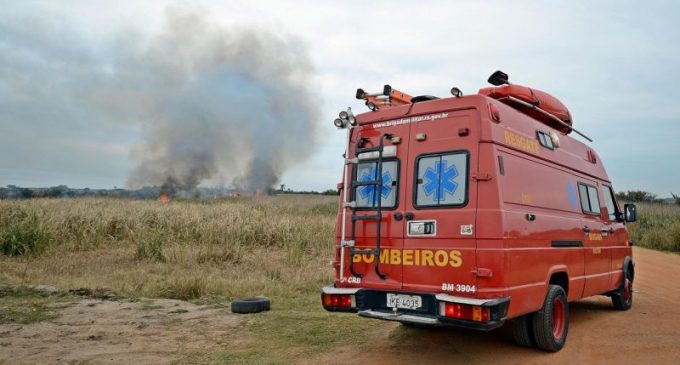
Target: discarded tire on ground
[{"x": 250, "y": 305}]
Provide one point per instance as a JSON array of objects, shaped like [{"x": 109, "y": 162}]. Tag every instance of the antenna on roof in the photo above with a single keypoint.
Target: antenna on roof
[{"x": 499, "y": 78}]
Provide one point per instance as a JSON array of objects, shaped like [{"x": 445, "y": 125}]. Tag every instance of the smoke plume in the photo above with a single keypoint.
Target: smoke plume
[
  {"x": 229, "y": 106},
  {"x": 226, "y": 103}
]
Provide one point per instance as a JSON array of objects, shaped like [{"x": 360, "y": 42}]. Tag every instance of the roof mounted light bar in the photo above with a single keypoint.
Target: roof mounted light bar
[{"x": 345, "y": 119}]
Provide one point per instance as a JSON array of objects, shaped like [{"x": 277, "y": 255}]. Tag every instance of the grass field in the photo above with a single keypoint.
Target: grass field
[
  {"x": 214, "y": 250},
  {"x": 657, "y": 227},
  {"x": 206, "y": 252},
  {"x": 182, "y": 250},
  {"x": 202, "y": 251}
]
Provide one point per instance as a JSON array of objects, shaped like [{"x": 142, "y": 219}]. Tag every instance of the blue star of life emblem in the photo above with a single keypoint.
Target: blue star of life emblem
[
  {"x": 439, "y": 180},
  {"x": 368, "y": 191}
]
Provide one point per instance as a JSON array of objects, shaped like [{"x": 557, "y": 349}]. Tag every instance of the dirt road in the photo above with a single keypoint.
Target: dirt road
[
  {"x": 89, "y": 331},
  {"x": 647, "y": 334}
]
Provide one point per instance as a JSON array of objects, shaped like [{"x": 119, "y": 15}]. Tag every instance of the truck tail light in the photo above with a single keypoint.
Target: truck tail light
[
  {"x": 480, "y": 314},
  {"x": 337, "y": 300},
  {"x": 468, "y": 312}
]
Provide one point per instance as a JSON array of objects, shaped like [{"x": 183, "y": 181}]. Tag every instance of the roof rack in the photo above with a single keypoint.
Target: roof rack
[{"x": 550, "y": 115}]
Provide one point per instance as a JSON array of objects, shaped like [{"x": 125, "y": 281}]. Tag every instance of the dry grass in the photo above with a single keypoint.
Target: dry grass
[
  {"x": 658, "y": 227},
  {"x": 214, "y": 250}
]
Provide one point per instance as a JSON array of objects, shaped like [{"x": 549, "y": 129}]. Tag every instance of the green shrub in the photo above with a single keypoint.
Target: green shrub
[
  {"x": 21, "y": 234},
  {"x": 151, "y": 247}
]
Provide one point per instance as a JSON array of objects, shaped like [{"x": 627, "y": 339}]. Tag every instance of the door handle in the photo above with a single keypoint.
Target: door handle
[
  {"x": 586, "y": 229},
  {"x": 409, "y": 216},
  {"x": 398, "y": 216}
]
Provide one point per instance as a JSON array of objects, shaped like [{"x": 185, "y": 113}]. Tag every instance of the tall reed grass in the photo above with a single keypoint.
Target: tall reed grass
[{"x": 184, "y": 249}]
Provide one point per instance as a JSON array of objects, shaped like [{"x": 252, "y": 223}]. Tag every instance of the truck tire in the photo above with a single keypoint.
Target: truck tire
[
  {"x": 522, "y": 331},
  {"x": 551, "y": 323},
  {"x": 250, "y": 305},
  {"x": 623, "y": 298}
]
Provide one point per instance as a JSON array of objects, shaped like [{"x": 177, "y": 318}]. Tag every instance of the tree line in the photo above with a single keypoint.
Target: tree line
[{"x": 641, "y": 196}]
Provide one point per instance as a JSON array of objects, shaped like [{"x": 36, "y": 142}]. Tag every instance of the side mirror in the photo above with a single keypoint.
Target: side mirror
[{"x": 630, "y": 212}]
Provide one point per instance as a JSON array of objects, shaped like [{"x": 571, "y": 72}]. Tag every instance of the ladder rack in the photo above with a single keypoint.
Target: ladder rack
[
  {"x": 352, "y": 206},
  {"x": 388, "y": 98}
]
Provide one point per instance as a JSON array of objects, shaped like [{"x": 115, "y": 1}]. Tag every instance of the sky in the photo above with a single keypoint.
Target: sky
[{"x": 610, "y": 62}]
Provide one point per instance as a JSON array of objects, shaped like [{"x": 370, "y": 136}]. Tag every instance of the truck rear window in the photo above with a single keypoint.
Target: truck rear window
[
  {"x": 441, "y": 179},
  {"x": 367, "y": 196}
]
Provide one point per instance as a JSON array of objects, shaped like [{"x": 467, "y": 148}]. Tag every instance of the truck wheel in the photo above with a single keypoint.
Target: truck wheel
[
  {"x": 522, "y": 331},
  {"x": 250, "y": 305},
  {"x": 551, "y": 323},
  {"x": 623, "y": 298}
]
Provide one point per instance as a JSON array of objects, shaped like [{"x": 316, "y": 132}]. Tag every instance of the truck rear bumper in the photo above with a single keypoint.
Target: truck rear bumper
[
  {"x": 371, "y": 303},
  {"x": 400, "y": 317}
]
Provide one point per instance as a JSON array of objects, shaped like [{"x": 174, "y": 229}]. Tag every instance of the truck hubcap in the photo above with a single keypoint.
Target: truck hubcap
[{"x": 558, "y": 318}]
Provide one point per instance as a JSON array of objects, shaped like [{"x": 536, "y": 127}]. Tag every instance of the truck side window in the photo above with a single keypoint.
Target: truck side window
[
  {"x": 366, "y": 196},
  {"x": 441, "y": 179},
  {"x": 545, "y": 140},
  {"x": 612, "y": 209},
  {"x": 590, "y": 203}
]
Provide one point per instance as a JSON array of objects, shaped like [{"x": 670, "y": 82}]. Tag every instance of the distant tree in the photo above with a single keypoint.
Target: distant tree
[
  {"x": 26, "y": 193},
  {"x": 637, "y": 196},
  {"x": 330, "y": 192},
  {"x": 57, "y": 191},
  {"x": 677, "y": 198}
]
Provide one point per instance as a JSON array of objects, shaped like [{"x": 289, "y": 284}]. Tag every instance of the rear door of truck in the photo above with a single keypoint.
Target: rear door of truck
[
  {"x": 439, "y": 249},
  {"x": 391, "y": 193}
]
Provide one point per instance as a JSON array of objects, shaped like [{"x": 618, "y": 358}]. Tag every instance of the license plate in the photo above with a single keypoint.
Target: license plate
[{"x": 404, "y": 301}]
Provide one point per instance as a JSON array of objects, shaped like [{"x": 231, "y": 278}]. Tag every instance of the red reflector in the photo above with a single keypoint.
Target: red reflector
[
  {"x": 336, "y": 300},
  {"x": 468, "y": 312}
]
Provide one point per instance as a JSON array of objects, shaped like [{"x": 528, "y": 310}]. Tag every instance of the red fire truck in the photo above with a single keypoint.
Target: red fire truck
[{"x": 476, "y": 210}]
